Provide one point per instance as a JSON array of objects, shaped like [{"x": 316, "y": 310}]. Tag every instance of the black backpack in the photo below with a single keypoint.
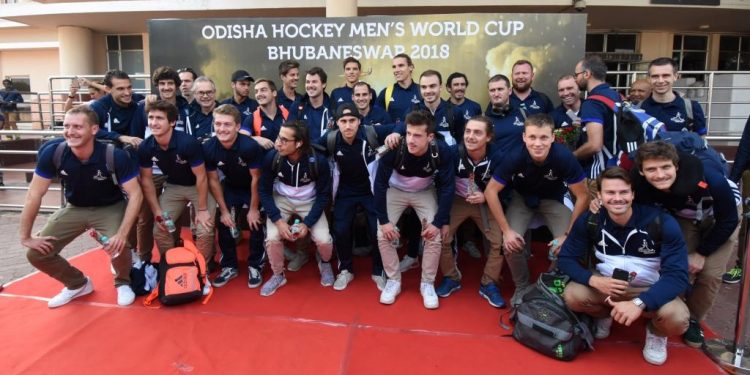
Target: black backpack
[
  {"x": 370, "y": 135},
  {"x": 544, "y": 323}
]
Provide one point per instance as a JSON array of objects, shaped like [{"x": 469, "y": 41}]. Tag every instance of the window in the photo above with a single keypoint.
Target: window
[
  {"x": 20, "y": 83},
  {"x": 612, "y": 42},
  {"x": 690, "y": 51},
  {"x": 734, "y": 52},
  {"x": 125, "y": 52}
]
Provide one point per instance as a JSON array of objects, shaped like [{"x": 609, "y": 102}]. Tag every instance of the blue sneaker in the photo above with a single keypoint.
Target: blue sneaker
[
  {"x": 492, "y": 295},
  {"x": 447, "y": 286}
]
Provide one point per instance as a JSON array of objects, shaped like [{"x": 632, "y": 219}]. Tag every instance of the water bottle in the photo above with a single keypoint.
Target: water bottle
[
  {"x": 99, "y": 237},
  {"x": 396, "y": 242},
  {"x": 234, "y": 230},
  {"x": 167, "y": 221},
  {"x": 295, "y": 229},
  {"x": 382, "y": 150}
]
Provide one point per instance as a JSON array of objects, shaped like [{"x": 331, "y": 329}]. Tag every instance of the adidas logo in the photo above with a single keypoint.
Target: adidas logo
[
  {"x": 263, "y": 127},
  {"x": 340, "y": 100},
  {"x": 116, "y": 121},
  {"x": 181, "y": 280},
  {"x": 63, "y": 173},
  {"x": 154, "y": 159},
  {"x": 339, "y": 153},
  {"x": 219, "y": 164}
]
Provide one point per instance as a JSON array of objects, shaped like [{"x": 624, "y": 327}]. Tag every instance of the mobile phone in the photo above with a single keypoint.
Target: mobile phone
[{"x": 620, "y": 274}]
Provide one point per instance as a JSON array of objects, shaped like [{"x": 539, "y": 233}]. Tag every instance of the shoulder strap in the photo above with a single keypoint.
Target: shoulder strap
[
  {"x": 592, "y": 229},
  {"x": 110, "y": 160},
  {"x": 688, "y": 108},
  {"x": 449, "y": 117},
  {"x": 398, "y": 162},
  {"x": 461, "y": 151},
  {"x": 276, "y": 164},
  {"x": 57, "y": 156},
  {"x": 654, "y": 230},
  {"x": 371, "y": 136},
  {"x": 434, "y": 155},
  {"x": 389, "y": 95},
  {"x": 603, "y": 99},
  {"x": 331, "y": 141},
  {"x": 256, "y": 122},
  {"x": 313, "y": 160},
  {"x": 284, "y": 112},
  {"x": 523, "y": 113}
]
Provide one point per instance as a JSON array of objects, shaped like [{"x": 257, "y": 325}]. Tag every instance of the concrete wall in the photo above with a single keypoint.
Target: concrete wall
[{"x": 37, "y": 64}]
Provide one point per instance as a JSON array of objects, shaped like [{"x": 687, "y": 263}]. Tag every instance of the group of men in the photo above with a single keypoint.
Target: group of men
[{"x": 297, "y": 161}]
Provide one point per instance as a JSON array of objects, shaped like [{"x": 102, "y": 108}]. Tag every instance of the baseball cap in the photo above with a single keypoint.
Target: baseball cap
[
  {"x": 346, "y": 109},
  {"x": 241, "y": 75}
]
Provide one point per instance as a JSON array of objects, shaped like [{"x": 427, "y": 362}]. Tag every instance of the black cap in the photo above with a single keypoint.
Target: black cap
[
  {"x": 346, "y": 109},
  {"x": 241, "y": 75}
]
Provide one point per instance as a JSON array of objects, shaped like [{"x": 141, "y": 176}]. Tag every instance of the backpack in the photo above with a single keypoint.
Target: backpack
[
  {"x": 182, "y": 276},
  {"x": 109, "y": 157},
  {"x": 692, "y": 143},
  {"x": 544, "y": 323},
  {"x": 370, "y": 135},
  {"x": 258, "y": 121},
  {"x": 313, "y": 159},
  {"x": 689, "y": 114},
  {"x": 433, "y": 149}
]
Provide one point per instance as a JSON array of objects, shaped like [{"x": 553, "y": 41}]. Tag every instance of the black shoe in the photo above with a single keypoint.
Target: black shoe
[{"x": 693, "y": 337}]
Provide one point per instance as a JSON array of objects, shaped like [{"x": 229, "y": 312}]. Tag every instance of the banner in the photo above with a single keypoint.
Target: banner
[{"x": 478, "y": 45}]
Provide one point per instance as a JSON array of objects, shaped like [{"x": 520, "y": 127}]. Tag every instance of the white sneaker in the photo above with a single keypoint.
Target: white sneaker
[
  {"x": 407, "y": 263},
  {"x": 206, "y": 287},
  {"x": 429, "y": 297},
  {"x": 391, "y": 290},
  {"x": 342, "y": 280},
  {"x": 655, "y": 350},
  {"x": 603, "y": 326},
  {"x": 66, "y": 295},
  {"x": 379, "y": 281},
  {"x": 125, "y": 295}
]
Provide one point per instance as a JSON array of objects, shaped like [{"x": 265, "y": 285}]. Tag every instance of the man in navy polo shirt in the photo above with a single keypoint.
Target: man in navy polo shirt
[
  {"x": 238, "y": 157},
  {"x": 312, "y": 109},
  {"x": 289, "y": 75},
  {"x": 419, "y": 174},
  {"x": 295, "y": 181},
  {"x": 597, "y": 142},
  {"x": 449, "y": 120},
  {"x": 187, "y": 77},
  {"x": 523, "y": 95},
  {"x": 343, "y": 94},
  {"x": 117, "y": 109},
  {"x": 94, "y": 201},
  {"x": 473, "y": 171},
  {"x": 566, "y": 114},
  {"x": 456, "y": 84},
  {"x": 668, "y": 106},
  {"x": 371, "y": 114},
  {"x": 354, "y": 161},
  {"x": 266, "y": 120},
  {"x": 540, "y": 174},
  {"x": 180, "y": 158},
  {"x": 400, "y": 97},
  {"x": 201, "y": 120},
  {"x": 241, "y": 82},
  {"x": 507, "y": 119}
]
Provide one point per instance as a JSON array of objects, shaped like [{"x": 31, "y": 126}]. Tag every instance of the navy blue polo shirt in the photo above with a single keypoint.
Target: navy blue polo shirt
[
  {"x": 674, "y": 115},
  {"x": 343, "y": 94},
  {"x": 140, "y": 121},
  {"x": 536, "y": 102},
  {"x": 295, "y": 182},
  {"x": 113, "y": 118},
  {"x": 317, "y": 119},
  {"x": 543, "y": 181},
  {"x": 481, "y": 171},
  {"x": 402, "y": 100},
  {"x": 508, "y": 126},
  {"x": 87, "y": 183},
  {"x": 246, "y": 108},
  {"x": 377, "y": 116},
  {"x": 235, "y": 162},
  {"x": 269, "y": 127},
  {"x": 176, "y": 162},
  {"x": 416, "y": 174},
  {"x": 442, "y": 120},
  {"x": 200, "y": 125},
  {"x": 288, "y": 103},
  {"x": 596, "y": 111},
  {"x": 561, "y": 118},
  {"x": 468, "y": 108}
]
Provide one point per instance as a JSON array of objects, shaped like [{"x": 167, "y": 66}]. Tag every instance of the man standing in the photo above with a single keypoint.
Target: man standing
[
  {"x": 473, "y": 171},
  {"x": 295, "y": 181},
  {"x": 523, "y": 95},
  {"x": 419, "y": 174},
  {"x": 456, "y": 84},
  {"x": 566, "y": 114},
  {"x": 201, "y": 120},
  {"x": 117, "y": 110},
  {"x": 343, "y": 94},
  {"x": 448, "y": 119},
  {"x": 400, "y": 97},
  {"x": 180, "y": 157},
  {"x": 187, "y": 77},
  {"x": 641, "y": 269},
  {"x": 289, "y": 74},
  {"x": 540, "y": 173},
  {"x": 9, "y": 99},
  {"x": 704, "y": 202},
  {"x": 666, "y": 105},
  {"x": 507, "y": 119},
  {"x": 95, "y": 200},
  {"x": 598, "y": 141},
  {"x": 241, "y": 82},
  {"x": 238, "y": 158},
  {"x": 266, "y": 120},
  {"x": 370, "y": 114},
  {"x": 639, "y": 90},
  {"x": 312, "y": 108}
]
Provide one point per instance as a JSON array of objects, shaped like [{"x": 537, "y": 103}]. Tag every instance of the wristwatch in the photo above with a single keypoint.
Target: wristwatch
[{"x": 639, "y": 302}]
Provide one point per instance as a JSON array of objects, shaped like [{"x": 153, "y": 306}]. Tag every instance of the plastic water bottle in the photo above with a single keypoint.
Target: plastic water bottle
[
  {"x": 167, "y": 221},
  {"x": 99, "y": 237},
  {"x": 396, "y": 242},
  {"x": 295, "y": 229},
  {"x": 382, "y": 150},
  {"x": 234, "y": 230}
]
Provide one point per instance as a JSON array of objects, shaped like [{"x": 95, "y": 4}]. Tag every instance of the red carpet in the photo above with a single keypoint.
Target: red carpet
[{"x": 302, "y": 329}]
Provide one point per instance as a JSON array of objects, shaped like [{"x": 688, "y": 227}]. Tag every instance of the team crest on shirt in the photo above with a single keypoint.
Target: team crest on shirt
[
  {"x": 550, "y": 176},
  {"x": 467, "y": 115},
  {"x": 645, "y": 249},
  {"x": 179, "y": 160},
  {"x": 414, "y": 99},
  {"x": 247, "y": 112},
  {"x": 444, "y": 123},
  {"x": 427, "y": 168},
  {"x": 305, "y": 179},
  {"x": 241, "y": 162},
  {"x": 460, "y": 165},
  {"x": 677, "y": 119},
  {"x": 99, "y": 176},
  {"x": 534, "y": 105},
  {"x": 518, "y": 122}
]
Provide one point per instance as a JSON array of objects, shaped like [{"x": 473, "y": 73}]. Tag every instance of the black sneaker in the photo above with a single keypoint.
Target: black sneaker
[
  {"x": 733, "y": 276},
  {"x": 693, "y": 337},
  {"x": 254, "y": 278},
  {"x": 227, "y": 273}
]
